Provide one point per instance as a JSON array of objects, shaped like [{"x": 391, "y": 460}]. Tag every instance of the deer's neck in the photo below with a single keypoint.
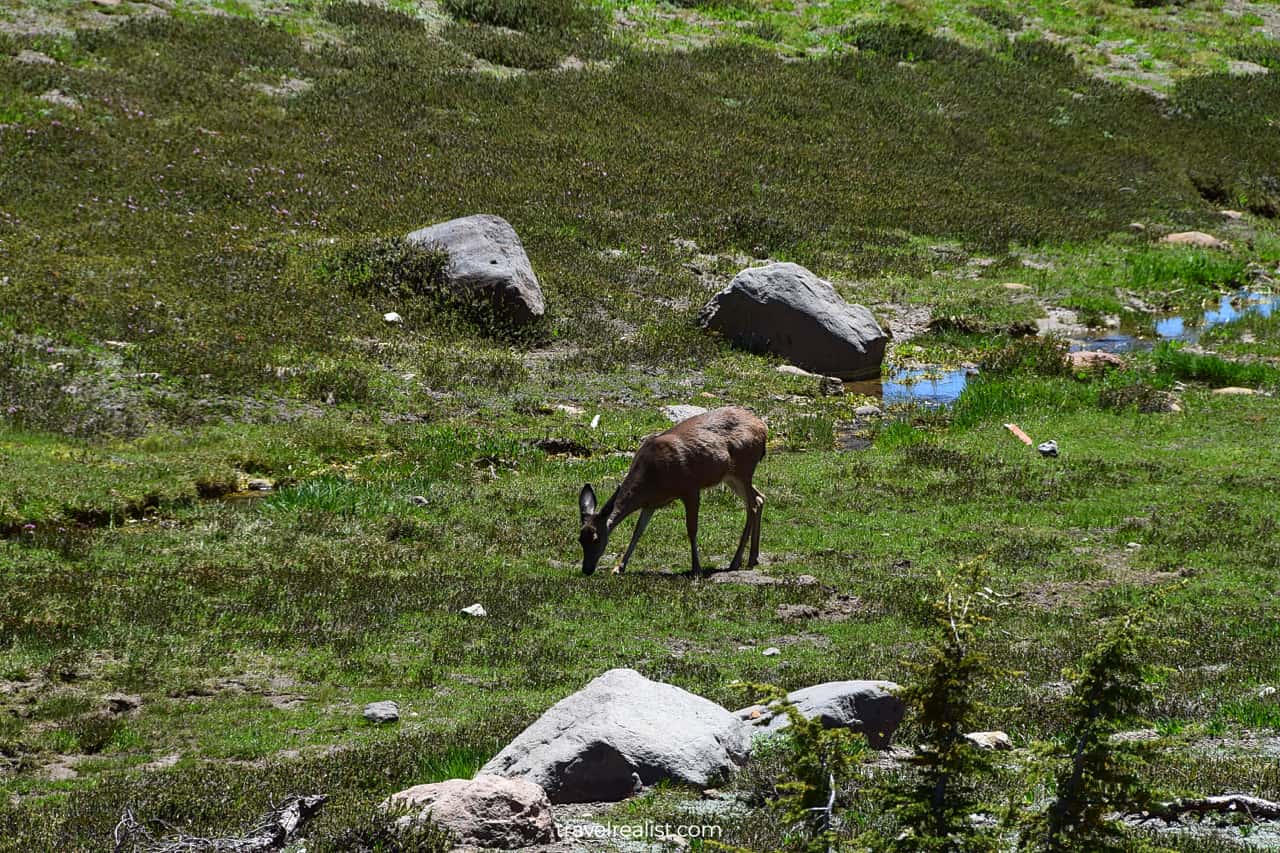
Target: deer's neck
[{"x": 626, "y": 499}]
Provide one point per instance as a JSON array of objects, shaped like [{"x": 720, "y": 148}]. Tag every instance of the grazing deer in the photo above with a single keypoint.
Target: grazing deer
[{"x": 720, "y": 446}]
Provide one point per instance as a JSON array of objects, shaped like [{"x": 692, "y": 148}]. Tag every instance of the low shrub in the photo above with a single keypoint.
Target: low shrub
[
  {"x": 1001, "y": 19},
  {"x": 530, "y": 16},
  {"x": 1035, "y": 354},
  {"x": 1138, "y": 394},
  {"x": 504, "y": 47},
  {"x": 388, "y": 266},
  {"x": 346, "y": 13},
  {"x": 897, "y": 42}
]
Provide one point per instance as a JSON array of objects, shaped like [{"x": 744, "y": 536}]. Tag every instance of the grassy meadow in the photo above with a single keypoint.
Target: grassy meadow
[{"x": 200, "y": 206}]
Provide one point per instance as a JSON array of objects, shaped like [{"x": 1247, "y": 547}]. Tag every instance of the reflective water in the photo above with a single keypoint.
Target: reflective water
[
  {"x": 939, "y": 386},
  {"x": 1190, "y": 325},
  {"x": 933, "y": 386}
]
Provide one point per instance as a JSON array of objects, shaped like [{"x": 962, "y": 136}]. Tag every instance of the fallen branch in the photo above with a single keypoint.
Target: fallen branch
[
  {"x": 1254, "y": 807},
  {"x": 273, "y": 832}
]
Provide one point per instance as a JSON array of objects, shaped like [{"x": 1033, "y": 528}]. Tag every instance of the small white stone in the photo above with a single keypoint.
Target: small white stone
[
  {"x": 392, "y": 317},
  {"x": 476, "y": 610},
  {"x": 772, "y": 652},
  {"x": 990, "y": 740}
]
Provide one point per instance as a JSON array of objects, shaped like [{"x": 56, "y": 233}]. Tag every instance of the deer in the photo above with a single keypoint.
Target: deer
[{"x": 721, "y": 446}]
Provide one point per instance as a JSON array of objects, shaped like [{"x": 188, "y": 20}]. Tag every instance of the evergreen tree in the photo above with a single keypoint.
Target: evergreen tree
[
  {"x": 1097, "y": 777},
  {"x": 817, "y": 760},
  {"x": 935, "y": 806}
]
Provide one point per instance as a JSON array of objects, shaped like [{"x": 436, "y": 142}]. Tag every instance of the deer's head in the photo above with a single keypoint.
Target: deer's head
[{"x": 595, "y": 530}]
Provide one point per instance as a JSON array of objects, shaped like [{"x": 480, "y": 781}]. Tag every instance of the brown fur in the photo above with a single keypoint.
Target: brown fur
[{"x": 720, "y": 446}]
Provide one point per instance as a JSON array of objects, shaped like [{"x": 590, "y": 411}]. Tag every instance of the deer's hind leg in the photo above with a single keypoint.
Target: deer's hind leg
[{"x": 757, "y": 501}]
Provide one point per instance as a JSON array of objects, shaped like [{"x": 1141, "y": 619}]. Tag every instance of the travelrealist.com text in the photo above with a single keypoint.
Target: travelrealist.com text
[{"x": 636, "y": 831}]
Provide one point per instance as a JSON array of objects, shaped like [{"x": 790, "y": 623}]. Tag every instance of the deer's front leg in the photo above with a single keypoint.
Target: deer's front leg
[
  {"x": 641, "y": 523},
  {"x": 691, "y": 503}
]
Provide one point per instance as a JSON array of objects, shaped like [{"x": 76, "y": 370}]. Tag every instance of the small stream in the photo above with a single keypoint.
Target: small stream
[
  {"x": 1183, "y": 327},
  {"x": 940, "y": 386}
]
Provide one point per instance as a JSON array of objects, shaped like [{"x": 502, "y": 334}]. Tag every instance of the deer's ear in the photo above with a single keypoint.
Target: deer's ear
[{"x": 587, "y": 501}]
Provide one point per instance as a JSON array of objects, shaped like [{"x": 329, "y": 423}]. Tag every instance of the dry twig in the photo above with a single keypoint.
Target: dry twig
[{"x": 273, "y": 832}]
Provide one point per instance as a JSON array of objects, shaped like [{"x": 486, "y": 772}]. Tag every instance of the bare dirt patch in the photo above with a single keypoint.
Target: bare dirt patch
[
  {"x": 837, "y": 608},
  {"x": 1056, "y": 595}
]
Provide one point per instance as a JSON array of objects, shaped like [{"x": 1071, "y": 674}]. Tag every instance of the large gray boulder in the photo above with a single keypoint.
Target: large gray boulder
[
  {"x": 620, "y": 732},
  {"x": 487, "y": 260},
  {"x": 870, "y": 707},
  {"x": 784, "y": 309},
  {"x": 487, "y": 811}
]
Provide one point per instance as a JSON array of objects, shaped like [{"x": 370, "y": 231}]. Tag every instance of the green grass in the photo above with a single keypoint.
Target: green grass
[
  {"x": 176, "y": 121},
  {"x": 1218, "y": 372},
  {"x": 195, "y": 274},
  {"x": 350, "y": 590}
]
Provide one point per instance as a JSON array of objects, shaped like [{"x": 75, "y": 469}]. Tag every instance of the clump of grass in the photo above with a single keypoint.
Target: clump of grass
[
  {"x": 476, "y": 366},
  {"x": 1263, "y": 52},
  {"x": 994, "y": 398},
  {"x": 1195, "y": 270},
  {"x": 342, "y": 383},
  {"x": 58, "y": 389},
  {"x": 1265, "y": 330},
  {"x": 811, "y": 432},
  {"x": 765, "y": 31},
  {"x": 1172, "y": 360},
  {"x": 94, "y": 732}
]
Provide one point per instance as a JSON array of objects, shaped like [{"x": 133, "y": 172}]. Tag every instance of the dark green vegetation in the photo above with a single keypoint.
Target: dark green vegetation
[
  {"x": 932, "y": 805},
  {"x": 195, "y": 264}
]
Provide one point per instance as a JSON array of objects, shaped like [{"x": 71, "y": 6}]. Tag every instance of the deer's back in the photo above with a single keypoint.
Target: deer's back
[{"x": 701, "y": 451}]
